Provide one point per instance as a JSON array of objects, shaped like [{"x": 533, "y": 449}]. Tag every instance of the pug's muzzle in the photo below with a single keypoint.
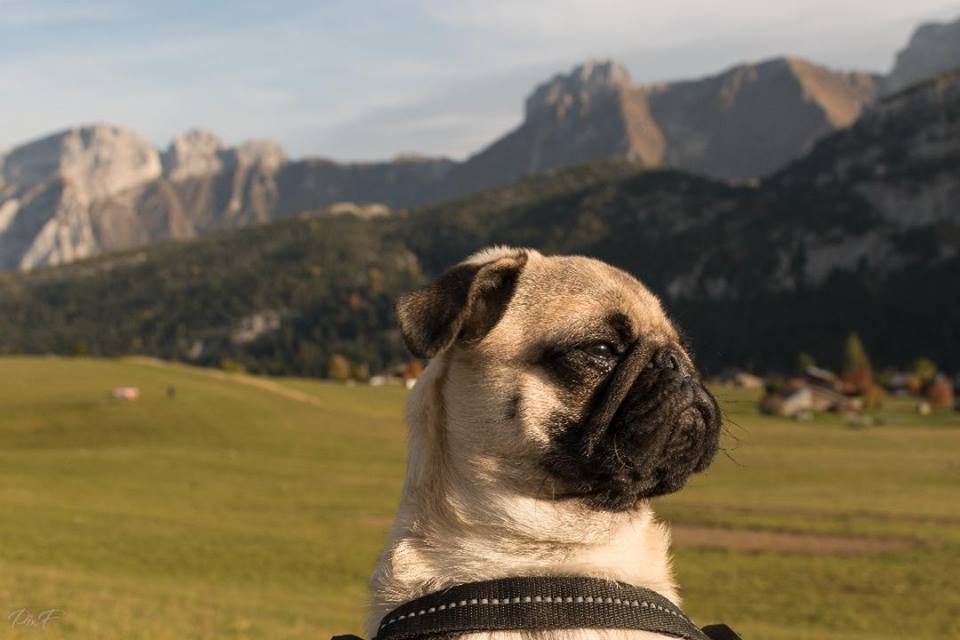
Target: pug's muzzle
[{"x": 648, "y": 429}]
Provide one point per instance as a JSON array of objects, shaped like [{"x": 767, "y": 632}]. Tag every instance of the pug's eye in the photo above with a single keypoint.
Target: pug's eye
[{"x": 600, "y": 350}]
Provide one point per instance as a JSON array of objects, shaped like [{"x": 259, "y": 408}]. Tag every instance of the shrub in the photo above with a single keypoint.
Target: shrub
[
  {"x": 338, "y": 368},
  {"x": 873, "y": 397},
  {"x": 925, "y": 370},
  {"x": 231, "y": 366},
  {"x": 940, "y": 393},
  {"x": 360, "y": 372}
]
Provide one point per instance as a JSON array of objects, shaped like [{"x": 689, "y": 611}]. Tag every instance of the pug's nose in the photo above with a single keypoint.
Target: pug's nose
[{"x": 669, "y": 359}]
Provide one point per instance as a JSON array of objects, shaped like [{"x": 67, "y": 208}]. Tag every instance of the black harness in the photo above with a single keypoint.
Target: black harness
[{"x": 536, "y": 604}]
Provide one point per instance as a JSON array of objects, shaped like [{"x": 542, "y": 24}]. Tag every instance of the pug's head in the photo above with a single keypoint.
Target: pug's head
[{"x": 558, "y": 378}]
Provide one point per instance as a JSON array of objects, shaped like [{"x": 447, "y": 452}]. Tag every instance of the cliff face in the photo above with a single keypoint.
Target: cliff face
[
  {"x": 753, "y": 119},
  {"x": 97, "y": 189},
  {"x": 900, "y": 157},
  {"x": 934, "y": 48},
  {"x": 49, "y": 190},
  {"x": 743, "y": 123}
]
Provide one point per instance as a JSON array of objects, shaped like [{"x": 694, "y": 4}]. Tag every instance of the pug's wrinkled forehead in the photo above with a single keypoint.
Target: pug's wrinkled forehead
[
  {"x": 573, "y": 299},
  {"x": 502, "y": 300}
]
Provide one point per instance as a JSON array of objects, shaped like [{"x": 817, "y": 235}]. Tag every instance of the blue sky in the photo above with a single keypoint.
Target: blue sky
[{"x": 371, "y": 79}]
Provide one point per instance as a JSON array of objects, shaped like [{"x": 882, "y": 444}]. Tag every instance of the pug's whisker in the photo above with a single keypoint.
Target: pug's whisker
[
  {"x": 730, "y": 434},
  {"x": 723, "y": 447},
  {"x": 616, "y": 454},
  {"x": 726, "y": 421},
  {"x": 540, "y": 489},
  {"x": 729, "y": 457}
]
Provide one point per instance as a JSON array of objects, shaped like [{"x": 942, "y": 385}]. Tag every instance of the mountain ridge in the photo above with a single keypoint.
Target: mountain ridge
[
  {"x": 89, "y": 190},
  {"x": 861, "y": 234},
  {"x": 719, "y": 125},
  {"x": 73, "y": 194},
  {"x": 933, "y": 48}
]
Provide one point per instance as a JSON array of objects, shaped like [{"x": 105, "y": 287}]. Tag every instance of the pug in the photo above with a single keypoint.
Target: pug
[{"x": 558, "y": 400}]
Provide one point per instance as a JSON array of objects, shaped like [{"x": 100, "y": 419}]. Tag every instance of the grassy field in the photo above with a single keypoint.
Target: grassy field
[{"x": 250, "y": 508}]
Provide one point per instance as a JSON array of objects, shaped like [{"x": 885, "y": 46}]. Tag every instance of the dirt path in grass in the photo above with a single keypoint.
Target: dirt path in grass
[
  {"x": 237, "y": 378},
  {"x": 827, "y": 513},
  {"x": 784, "y": 542}
]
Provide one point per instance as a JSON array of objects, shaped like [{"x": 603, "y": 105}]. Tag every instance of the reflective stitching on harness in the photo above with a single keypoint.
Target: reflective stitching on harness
[{"x": 552, "y": 599}]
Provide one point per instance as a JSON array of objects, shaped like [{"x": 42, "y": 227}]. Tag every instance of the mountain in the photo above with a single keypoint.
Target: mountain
[
  {"x": 933, "y": 49},
  {"x": 739, "y": 124},
  {"x": 47, "y": 188},
  {"x": 100, "y": 188},
  {"x": 97, "y": 189},
  {"x": 732, "y": 125},
  {"x": 861, "y": 234}
]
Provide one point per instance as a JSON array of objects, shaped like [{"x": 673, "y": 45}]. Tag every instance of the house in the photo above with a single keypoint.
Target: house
[
  {"x": 745, "y": 380},
  {"x": 902, "y": 383},
  {"x": 739, "y": 379},
  {"x": 797, "y": 403},
  {"x": 812, "y": 399},
  {"x": 822, "y": 378}
]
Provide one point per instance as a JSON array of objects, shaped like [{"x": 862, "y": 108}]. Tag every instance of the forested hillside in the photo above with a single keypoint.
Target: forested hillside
[{"x": 863, "y": 234}]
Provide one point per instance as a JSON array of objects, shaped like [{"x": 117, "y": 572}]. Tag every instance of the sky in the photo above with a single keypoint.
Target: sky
[{"x": 372, "y": 79}]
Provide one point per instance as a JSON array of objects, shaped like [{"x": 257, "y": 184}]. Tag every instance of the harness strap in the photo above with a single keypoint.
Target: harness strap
[{"x": 539, "y": 603}]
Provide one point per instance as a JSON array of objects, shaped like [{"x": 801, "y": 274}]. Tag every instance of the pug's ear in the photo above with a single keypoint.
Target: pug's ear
[{"x": 463, "y": 304}]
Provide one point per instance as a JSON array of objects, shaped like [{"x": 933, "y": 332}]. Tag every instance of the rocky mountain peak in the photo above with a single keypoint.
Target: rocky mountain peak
[
  {"x": 199, "y": 153},
  {"x": 577, "y": 88},
  {"x": 194, "y": 153},
  {"x": 841, "y": 94},
  {"x": 96, "y": 160},
  {"x": 933, "y": 49},
  {"x": 265, "y": 154}
]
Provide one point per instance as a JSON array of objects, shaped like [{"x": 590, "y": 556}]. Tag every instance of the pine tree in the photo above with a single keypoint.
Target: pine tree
[
  {"x": 857, "y": 374},
  {"x": 805, "y": 361},
  {"x": 855, "y": 360}
]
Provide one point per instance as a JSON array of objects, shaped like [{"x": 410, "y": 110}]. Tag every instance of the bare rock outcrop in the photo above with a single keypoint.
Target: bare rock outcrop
[
  {"x": 740, "y": 124},
  {"x": 97, "y": 161},
  {"x": 191, "y": 154},
  {"x": 96, "y": 189},
  {"x": 753, "y": 119},
  {"x": 933, "y": 49},
  {"x": 51, "y": 184}
]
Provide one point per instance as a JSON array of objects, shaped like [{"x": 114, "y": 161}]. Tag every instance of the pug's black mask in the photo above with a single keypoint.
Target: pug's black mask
[{"x": 647, "y": 429}]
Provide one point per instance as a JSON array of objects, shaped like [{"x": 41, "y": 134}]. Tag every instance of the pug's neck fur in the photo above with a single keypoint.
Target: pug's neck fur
[{"x": 459, "y": 523}]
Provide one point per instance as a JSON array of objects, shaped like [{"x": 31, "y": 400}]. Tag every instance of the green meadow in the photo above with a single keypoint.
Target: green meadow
[{"x": 228, "y": 506}]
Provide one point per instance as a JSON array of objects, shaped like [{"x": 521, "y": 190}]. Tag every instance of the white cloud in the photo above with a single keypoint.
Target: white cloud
[
  {"x": 435, "y": 76},
  {"x": 509, "y": 46}
]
